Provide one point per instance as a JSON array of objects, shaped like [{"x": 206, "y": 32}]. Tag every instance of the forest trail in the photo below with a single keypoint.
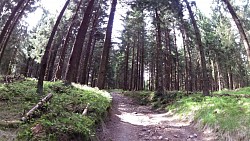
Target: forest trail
[{"x": 131, "y": 122}]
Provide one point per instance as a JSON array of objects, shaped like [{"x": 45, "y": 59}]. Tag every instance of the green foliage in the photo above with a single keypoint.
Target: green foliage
[
  {"x": 62, "y": 116},
  {"x": 225, "y": 114},
  {"x": 245, "y": 90}
]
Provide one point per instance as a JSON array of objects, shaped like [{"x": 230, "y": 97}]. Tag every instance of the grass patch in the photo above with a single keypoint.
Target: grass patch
[
  {"x": 61, "y": 118},
  {"x": 245, "y": 90},
  {"x": 224, "y": 114}
]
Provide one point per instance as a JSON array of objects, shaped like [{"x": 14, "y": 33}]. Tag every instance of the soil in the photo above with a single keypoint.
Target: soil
[{"x": 130, "y": 121}]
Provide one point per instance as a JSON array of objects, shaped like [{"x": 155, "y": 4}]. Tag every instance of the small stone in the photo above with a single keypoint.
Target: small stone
[
  {"x": 195, "y": 135},
  {"x": 154, "y": 138},
  {"x": 167, "y": 139},
  {"x": 176, "y": 136},
  {"x": 144, "y": 129},
  {"x": 191, "y": 136},
  {"x": 160, "y": 138}
]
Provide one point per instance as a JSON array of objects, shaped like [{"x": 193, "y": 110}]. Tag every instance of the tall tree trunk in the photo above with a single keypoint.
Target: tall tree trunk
[
  {"x": 177, "y": 76},
  {"x": 10, "y": 30},
  {"x": 11, "y": 62},
  {"x": 78, "y": 45},
  {"x": 44, "y": 60},
  {"x": 185, "y": 44},
  {"x": 8, "y": 23},
  {"x": 26, "y": 70},
  {"x": 188, "y": 60},
  {"x": 230, "y": 76},
  {"x": 125, "y": 84},
  {"x": 240, "y": 28},
  {"x": 136, "y": 76},
  {"x": 219, "y": 74},
  {"x": 205, "y": 82},
  {"x": 59, "y": 67},
  {"x": 90, "y": 62},
  {"x": 106, "y": 48},
  {"x": 51, "y": 62},
  {"x": 132, "y": 68},
  {"x": 167, "y": 60},
  {"x": 142, "y": 62},
  {"x": 159, "y": 74},
  {"x": 88, "y": 49}
]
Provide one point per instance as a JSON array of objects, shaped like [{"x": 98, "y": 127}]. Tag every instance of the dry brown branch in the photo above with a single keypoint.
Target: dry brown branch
[
  {"x": 12, "y": 123},
  {"x": 85, "y": 110},
  {"x": 38, "y": 105}
]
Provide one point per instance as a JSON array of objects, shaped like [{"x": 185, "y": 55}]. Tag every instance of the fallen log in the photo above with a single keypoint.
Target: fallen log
[
  {"x": 12, "y": 123},
  {"x": 38, "y": 105}
]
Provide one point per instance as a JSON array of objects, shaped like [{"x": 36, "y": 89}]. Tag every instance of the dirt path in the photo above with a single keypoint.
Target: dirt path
[{"x": 132, "y": 122}]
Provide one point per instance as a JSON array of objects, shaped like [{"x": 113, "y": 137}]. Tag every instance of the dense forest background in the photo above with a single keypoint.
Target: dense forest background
[{"x": 164, "y": 45}]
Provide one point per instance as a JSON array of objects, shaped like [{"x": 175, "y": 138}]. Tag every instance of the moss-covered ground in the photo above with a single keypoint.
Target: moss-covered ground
[{"x": 59, "y": 119}]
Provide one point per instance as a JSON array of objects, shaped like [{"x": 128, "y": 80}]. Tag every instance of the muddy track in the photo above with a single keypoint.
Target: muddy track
[{"x": 131, "y": 122}]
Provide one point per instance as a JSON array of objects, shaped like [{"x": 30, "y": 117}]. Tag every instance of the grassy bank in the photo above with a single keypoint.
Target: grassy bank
[
  {"x": 61, "y": 118},
  {"x": 227, "y": 116}
]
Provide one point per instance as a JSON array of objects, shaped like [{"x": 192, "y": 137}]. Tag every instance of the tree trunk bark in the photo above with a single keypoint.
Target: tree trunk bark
[
  {"x": 59, "y": 67},
  {"x": 90, "y": 61},
  {"x": 10, "y": 30},
  {"x": 48, "y": 50},
  {"x": 125, "y": 84},
  {"x": 167, "y": 60},
  {"x": 159, "y": 74},
  {"x": 78, "y": 45},
  {"x": 88, "y": 49},
  {"x": 177, "y": 76},
  {"x": 106, "y": 48},
  {"x": 240, "y": 28},
  {"x": 142, "y": 62},
  {"x": 132, "y": 68},
  {"x": 8, "y": 23},
  {"x": 205, "y": 82}
]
